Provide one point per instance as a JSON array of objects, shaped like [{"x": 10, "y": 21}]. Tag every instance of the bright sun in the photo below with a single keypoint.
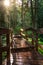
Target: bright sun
[{"x": 6, "y": 2}]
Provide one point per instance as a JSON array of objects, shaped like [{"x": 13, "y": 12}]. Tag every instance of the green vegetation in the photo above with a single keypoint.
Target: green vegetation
[
  {"x": 40, "y": 42},
  {"x": 4, "y": 54},
  {"x": 40, "y": 51},
  {"x": 3, "y": 38}
]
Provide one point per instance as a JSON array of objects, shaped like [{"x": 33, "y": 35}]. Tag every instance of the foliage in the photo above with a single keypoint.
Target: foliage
[
  {"x": 2, "y": 22},
  {"x": 40, "y": 13},
  {"x": 26, "y": 16},
  {"x": 40, "y": 51},
  {"x": 17, "y": 29}
]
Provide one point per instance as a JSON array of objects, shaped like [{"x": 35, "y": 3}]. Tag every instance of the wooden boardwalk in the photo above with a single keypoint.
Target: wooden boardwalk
[
  {"x": 24, "y": 54},
  {"x": 25, "y": 58}
]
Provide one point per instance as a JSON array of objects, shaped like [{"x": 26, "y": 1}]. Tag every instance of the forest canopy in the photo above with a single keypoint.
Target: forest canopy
[{"x": 17, "y": 14}]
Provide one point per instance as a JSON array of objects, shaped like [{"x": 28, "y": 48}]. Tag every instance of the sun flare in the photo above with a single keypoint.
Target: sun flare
[
  {"x": 6, "y": 2},
  {"x": 18, "y": 2}
]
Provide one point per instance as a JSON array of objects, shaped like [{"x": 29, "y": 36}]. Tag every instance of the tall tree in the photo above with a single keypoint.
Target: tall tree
[
  {"x": 40, "y": 13},
  {"x": 2, "y": 10},
  {"x": 26, "y": 16}
]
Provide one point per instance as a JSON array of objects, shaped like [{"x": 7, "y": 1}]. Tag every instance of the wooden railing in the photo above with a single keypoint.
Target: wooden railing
[
  {"x": 33, "y": 49},
  {"x": 6, "y": 48},
  {"x": 32, "y": 36},
  {"x": 13, "y": 50}
]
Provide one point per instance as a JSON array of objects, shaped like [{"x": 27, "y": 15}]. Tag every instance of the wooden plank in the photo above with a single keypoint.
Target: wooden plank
[
  {"x": 2, "y": 49},
  {"x": 4, "y": 31},
  {"x": 17, "y": 36},
  {"x": 16, "y": 50},
  {"x": 31, "y": 29}
]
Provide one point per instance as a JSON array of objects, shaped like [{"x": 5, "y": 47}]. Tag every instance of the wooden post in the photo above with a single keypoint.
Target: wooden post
[
  {"x": 0, "y": 52},
  {"x": 0, "y": 57},
  {"x": 36, "y": 42},
  {"x": 8, "y": 51},
  {"x": 32, "y": 38}
]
